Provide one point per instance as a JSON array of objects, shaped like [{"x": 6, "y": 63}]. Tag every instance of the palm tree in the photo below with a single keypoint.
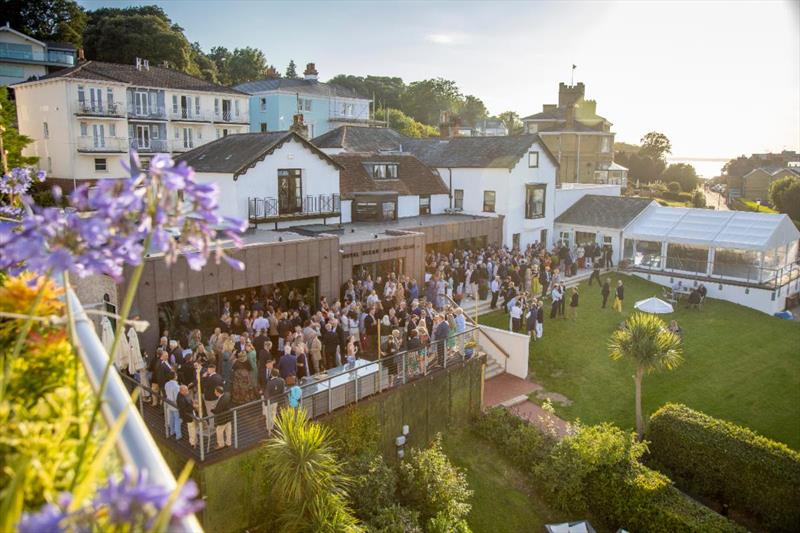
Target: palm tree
[
  {"x": 647, "y": 342},
  {"x": 305, "y": 477}
]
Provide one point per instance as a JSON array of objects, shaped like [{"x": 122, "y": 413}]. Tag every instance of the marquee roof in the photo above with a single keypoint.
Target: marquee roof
[{"x": 715, "y": 229}]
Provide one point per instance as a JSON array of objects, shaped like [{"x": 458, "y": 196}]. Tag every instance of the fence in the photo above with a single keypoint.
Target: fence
[
  {"x": 260, "y": 209},
  {"x": 252, "y": 422}
]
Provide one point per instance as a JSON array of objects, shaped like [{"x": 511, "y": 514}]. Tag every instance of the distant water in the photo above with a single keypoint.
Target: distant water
[{"x": 706, "y": 168}]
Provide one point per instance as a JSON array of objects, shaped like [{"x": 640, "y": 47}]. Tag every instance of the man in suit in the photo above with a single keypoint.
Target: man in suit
[
  {"x": 187, "y": 413},
  {"x": 604, "y": 292},
  {"x": 208, "y": 384},
  {"x": 273, "y": 395},
  {"x": 287, "y": 363},
  {"x": 222, "y": 417},
  {"x": 441, "y": 330}
]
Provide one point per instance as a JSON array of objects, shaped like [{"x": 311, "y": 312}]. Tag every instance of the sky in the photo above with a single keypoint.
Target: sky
[{"x": 718, "y": 78}]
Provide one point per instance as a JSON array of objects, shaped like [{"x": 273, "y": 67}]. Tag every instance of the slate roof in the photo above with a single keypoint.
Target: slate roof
[
  {"x": 414, "y": 177},
  {"x": 604, "y": 211},
  {"x": 156, "y": 77},
  {"x": 236, "y": 153},
  {"x": 775, "y": 170},
  {"x": 475, "y": 152},
  {"x": 581, "y": 123},
  {"x": 301, "y": 86},
  {"x": 362, "y": 139}
]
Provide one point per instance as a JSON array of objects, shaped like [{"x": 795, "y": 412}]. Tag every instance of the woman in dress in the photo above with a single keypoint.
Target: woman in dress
[
  {"x": 226, "y": 360},
  {"x": 244, "y": 389},
  {"x": 252, "y": 358}
]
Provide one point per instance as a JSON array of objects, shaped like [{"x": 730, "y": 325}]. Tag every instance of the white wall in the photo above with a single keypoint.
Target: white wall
[
  {"x": 261, "y": 181},
  {"x": 515, "y": 345},
  {"x": 439, "y": 202},
  {"x": 407, "y": 206},
  {"x": 569, "y": 193},
  {"x": 759, "y": 299}
]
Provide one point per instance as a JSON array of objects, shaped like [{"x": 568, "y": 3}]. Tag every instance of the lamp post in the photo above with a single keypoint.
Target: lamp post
[{"x": 758, "y": 205}]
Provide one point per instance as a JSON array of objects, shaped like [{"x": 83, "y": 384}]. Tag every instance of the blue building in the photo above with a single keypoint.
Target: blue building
[{"x": 324, "y": 106}]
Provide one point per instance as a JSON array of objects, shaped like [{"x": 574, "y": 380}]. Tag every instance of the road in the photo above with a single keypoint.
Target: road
[{"x": 714, "y": 199}]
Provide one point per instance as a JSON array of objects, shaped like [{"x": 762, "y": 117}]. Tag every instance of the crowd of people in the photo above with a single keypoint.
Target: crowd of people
[{"x": 268, "y": 343}]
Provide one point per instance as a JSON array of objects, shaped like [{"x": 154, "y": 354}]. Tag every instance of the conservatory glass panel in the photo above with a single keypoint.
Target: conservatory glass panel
[
  {"x": 646, "y": 253},
  {"x": 687, "y": 257},
  {"x": 732, "y": 263}
]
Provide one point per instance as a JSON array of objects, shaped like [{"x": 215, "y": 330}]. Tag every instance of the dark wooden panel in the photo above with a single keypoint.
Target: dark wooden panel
[
  {"x": 251, "y": 272},
  {"x": 211, "y": 278},
  {"x": 278, "y": 254},
  {"x": 195, "y": 281},
  {"x": 163, "y": 281},
  {"x": 238, "y": 278},
  {"x": 225, "y": 277}
]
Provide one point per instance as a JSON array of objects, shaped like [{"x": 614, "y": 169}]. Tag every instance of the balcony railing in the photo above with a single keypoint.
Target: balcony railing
[
  {"x": 96, "y": 109},
  {"x": 146, "y": 113},
  {"x": 347, "y": 384},
  {"x": 180, "y": 145},
  {"x": 272, "y": 210},
  {"x": 134, "y": 443},
  {"x": 61, "y": 58},
  {"x": 189, "y": 115},
  {"x": 102, "y": 144},
  {"x": 150, "y": 147},
  {"x": 231, "y": 117}
]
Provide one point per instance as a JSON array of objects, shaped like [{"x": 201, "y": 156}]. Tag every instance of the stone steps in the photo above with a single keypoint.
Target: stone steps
[{"x": 492, "y": 369}]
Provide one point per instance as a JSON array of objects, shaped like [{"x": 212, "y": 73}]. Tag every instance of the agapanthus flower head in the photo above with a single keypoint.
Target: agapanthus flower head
[
  {"x": 19, "y": 180},
  {"x": 106, "y": 227}
]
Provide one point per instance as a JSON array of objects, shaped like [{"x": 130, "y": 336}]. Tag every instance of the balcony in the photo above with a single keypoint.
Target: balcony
[
  {"x": 102, "y": 145},
  {"x": 181, "y": 145},
  {"x": 48, "y": 58},
  {"x": 229, "y": 117},
  {"x": 152, "y": 146},
  {"x": 186, "y": 114},
  {"x": 146, "y": 113},
  {"x": 260, "y": 210},
  {"x": 90, "y": 109}
]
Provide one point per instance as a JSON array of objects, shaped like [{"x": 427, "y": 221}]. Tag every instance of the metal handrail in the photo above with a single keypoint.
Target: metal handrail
[
  {"x": 485, "y": 333},
  {"x": 134, "y": 443}
]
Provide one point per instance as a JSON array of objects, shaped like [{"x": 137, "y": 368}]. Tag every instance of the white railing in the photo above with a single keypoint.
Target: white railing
[{"x": 102, "y": 144}]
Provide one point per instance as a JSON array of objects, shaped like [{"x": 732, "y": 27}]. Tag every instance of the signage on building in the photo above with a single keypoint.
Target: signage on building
[{"x": 374, "y": 251}]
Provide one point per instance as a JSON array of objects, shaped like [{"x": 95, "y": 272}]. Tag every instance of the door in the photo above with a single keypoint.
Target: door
[
  {"x": 98, "y": 136},
  {"x": 188, "y": 142},
  {"x": 290, "y": 191},
  {"x": 186, "y": 107},
  {"x": 143, "y": 137},
  {"x": 226, "y": 110},
  {"x": 141, "y": 105},
  {"x": 95, "y": 99}
]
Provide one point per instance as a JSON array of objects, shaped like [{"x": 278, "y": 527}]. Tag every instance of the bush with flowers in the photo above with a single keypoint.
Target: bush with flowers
[{"x": 58, "y": 469}]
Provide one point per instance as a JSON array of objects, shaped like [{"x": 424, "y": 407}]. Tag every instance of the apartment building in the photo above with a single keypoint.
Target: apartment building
[
  {"x": 85, "y": 119},
  {"x": 22, "y": 57},
  {"x": 324, "y": 106},
  {"x": 579, "y": 138}
]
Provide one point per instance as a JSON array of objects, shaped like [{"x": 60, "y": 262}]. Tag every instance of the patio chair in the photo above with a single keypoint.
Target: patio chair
[{"x": 670, "y": 297}]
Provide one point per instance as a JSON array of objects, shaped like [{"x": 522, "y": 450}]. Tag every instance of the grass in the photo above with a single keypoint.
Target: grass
[
  {"x": 740, "y": 365},
  {"x": 503, "y": 501},
  {"x": 752, "y": 206}
]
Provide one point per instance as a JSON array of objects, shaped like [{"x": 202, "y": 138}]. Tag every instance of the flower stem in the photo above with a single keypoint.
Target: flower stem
[
  {"x": 22, "y": 335},
  {"x": 127, "y": 303}
]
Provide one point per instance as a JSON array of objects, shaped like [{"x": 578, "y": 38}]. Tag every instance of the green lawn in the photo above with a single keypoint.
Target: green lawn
[
  {"x": 753, "y": 206},
  {"x": 503, "y": 501},
  {"x": 740, "y": 364}
]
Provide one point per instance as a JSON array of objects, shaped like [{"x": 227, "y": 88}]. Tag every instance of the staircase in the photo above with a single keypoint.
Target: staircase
[{"x": 492, "y": 369}]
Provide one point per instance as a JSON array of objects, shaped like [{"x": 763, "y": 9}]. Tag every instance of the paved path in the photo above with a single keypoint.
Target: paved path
[
  {"x": 715, "y": 200},
  {"x": 512, "y": 392}
]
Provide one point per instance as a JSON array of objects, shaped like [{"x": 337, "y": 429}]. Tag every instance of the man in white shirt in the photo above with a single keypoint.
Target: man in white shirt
[
  {"x": 495, "y": 288},
  {"x": 260, "y": 323},
  {"x": 516, "y": 315},
  {"x": 172, "y": 389}
]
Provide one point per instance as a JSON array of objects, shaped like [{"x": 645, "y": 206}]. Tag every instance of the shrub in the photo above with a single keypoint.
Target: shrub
[
  {"x": 674, "y": 186},
  {"x": 441, "y": 523},
  {"x": 373, "y": 485},
  {"x": 524, "y": 444},
  {"x": 698, "y": 199},
  {"x": 676, "y": 196},
  {"x": 395, "y": 519},
  {"x": 429, "y": 483},
  {"x": 717, "y": 459}
]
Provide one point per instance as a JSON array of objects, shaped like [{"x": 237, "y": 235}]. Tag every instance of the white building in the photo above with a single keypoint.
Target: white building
[
  {"x": 22, "y": 57},
  {"x": 274, "y": 178},
  {"x": 84, "y": 119}
]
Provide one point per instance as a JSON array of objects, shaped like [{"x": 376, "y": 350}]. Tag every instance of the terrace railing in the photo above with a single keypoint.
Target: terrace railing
[
  {"x": 99, "y": 109},
  {"x": 322, "y": 394}
]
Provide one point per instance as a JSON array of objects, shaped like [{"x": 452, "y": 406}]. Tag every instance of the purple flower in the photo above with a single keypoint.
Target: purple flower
[
  {"x": 19, "y": 181},
  {"x": 50, "y": 518}
]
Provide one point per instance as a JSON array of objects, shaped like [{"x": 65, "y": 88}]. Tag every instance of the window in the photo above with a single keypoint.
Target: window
[
  {"x": 263, "y": 104},
  {"x": 458, "y": 199},
  {"x": 81, "y": 95},
  {"x": 84, "y": 129},
  {"x": 348, "y": 110},
  {"x": 45, "y": 130},
  {"x": 174, "y": 103},
  {"x": 533, "y": 159},
  {"x": 100, "y": 165},
  {"x": 488, "y": 201},
  {"x": 263, "y": 127},
  {"x": 11, "y": 71},
  {"x": 112, "y": 130},
  {"x": 687, "y": 257},
  {"x": 605, "y": 144},
  {"x": 304, "y": 104},
  {"x": 565, "y": 238},
  {"x": 110, "y": 98},
  {"x": 290, "y": 191},
  {"x": 155, "y": 133},
  {"x": 236, "y": 107},
  {"x": 384, "y": 171},
  {"x": 535, "y": 201},
  {"x": 216, "y": 106},
  {"x": 141, "y": 103},
  {"x": 197, "y": 105},
  {"x": 425, "y": 205}
]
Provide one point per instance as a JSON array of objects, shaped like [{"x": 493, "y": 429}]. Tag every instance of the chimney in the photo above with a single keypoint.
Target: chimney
[
  {"x": 272, "y": 74},
  {"x": 138, "y": 63},
  {"x": 298, "y": 126},
  {"x": 448, "y": 125},
  {"x": 81, "y": 55},
  {"x": 146, "y": 64},
  {"x": 311, "y": 72}
]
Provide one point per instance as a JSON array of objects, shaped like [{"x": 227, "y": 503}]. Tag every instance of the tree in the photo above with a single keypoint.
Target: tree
[
  {"x": 425, "y": 100},
  {"x": 674, "y": 186},
  {"x": 739, "y": 167},
  {"x": 13, "y": 141},
  {"x": 646, "y": 341},
  {"x": 406, "y": 125},
  {"x": 220, "y": 55},
  {"x": 784, "y": 194},
  {"x": 304, "y": 476},
  {"x": 291, "y": 70},
  {"x": 511, "y": 121},
  {"x": 682, "y": 173},
  {"x": 120, "y": 35},
  {"x": 641, "y": 168},
  {"x": 47, "y": 20},
  {"x": 206, "y": 65},
  {"x": 245, "y": 64},
  {"x": 387, "y": 91},
  {"x": 655, "y": 145},
  {"x": 472, "y": 110},
  {"x": 698, "y": 199}
]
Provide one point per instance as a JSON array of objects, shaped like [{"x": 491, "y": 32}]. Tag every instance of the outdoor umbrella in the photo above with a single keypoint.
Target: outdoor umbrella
[
  {"x": 136, "y": 362},
  {"x": 106, "y": 333},
  {"x": 654, "y": 305},
  {"x": 123, "y": 356}
]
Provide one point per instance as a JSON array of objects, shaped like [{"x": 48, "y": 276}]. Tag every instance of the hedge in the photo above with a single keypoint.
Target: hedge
[
  {"x": 720, "y": 460},
  {"x": 601, "y": 463},
  {"x": 676, "y": 196}
]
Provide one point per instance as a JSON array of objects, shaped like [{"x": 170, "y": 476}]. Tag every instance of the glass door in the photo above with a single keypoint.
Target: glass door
[
  {"x": 290, "y": 191},
  {"x": 143, "y": 137},
  {"x": 140, "y": 103},
  {"x": 96, "y": 99},
  {"x": 98, "y": 135}
]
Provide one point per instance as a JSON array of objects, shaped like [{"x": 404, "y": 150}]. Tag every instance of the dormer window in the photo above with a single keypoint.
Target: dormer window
[{"x": 384, "y": 171}]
